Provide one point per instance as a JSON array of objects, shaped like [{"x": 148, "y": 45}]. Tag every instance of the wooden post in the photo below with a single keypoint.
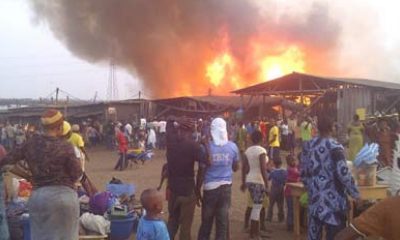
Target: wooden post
[
  {"x": 263, "y": 107},
  {"x": 301, "y": 90}
]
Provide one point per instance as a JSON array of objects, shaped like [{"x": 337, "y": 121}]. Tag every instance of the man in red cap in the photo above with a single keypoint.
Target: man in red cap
[{"x": 53, "y": 205}]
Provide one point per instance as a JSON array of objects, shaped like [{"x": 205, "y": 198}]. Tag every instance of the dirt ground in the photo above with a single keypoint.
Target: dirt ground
[{"x": 100, "y": 170}]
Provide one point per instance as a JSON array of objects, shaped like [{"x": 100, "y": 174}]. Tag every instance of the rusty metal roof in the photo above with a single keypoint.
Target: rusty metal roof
[{"x": 311, "y": 83}]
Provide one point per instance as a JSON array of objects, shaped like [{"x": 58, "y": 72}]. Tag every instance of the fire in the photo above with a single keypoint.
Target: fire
[
  {"x": 290, "y": 60},
  {"x": 224, "y": 71},
  {"x": 217, "y": 70}
]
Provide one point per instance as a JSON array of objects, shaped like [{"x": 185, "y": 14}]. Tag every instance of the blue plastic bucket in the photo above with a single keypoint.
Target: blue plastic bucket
[{"x": 121, "y": 229}]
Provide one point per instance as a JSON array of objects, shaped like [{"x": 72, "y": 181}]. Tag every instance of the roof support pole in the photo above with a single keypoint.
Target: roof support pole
[
  {"x": 301, "y": 90},
  {"x": 263, "y": 107}
]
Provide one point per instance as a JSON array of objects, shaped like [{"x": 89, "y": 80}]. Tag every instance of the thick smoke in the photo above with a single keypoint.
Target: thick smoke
[{"x": 168, "y": 43}]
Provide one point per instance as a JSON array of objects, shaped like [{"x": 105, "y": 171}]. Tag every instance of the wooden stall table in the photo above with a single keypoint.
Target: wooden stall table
[{"x": 376, "y": 192}]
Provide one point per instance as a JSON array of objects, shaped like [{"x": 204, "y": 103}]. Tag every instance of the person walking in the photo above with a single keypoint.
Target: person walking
[
  {"x": 53, "y": 205},
  {"x": 327, "y": 179},
  {"x": 122, "y": 148},
  {"x": 182, "y": 154},
  {"x": 218, "y": 170},
  {"x": 254, "y": 170}
]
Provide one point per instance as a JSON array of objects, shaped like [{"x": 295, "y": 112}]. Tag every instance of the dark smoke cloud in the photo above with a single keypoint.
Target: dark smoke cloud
[{"x": 167, "y": 43}]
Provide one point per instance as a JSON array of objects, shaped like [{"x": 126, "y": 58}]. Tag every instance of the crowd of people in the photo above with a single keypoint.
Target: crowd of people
[{"x": 266, "y": 152}]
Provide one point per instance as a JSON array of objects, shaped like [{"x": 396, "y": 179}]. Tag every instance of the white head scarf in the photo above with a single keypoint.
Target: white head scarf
[{"x": 219, "y": 133}]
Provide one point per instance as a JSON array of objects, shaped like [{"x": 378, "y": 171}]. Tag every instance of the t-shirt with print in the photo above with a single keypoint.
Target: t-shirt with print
[
  {"x": 274, "y": 132},
  {"x": 220, "y": 171},
  {"x": 152, "y": 229},
  {"x": 253, "y": 156}
]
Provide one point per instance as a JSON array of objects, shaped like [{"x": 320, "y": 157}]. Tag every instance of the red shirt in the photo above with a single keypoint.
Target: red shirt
[
  {"x": 122, "y": 143},
  {"x": 293, "y": 176}
]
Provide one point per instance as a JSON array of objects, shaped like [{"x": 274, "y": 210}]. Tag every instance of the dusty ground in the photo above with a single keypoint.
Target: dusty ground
[{"x": 100, "y": 170}]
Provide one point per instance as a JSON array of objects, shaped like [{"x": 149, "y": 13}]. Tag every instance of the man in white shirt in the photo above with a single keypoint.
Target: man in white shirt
[{"x": 162, "y": 130}]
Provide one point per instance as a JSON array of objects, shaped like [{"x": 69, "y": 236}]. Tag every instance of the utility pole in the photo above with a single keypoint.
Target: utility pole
[{"x": 57, "y": 91}]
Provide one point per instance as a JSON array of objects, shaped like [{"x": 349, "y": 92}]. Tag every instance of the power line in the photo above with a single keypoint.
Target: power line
[{"x": 49, "y": 74}]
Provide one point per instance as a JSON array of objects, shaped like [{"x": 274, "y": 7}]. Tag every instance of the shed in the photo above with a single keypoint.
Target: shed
[
  {"x": 206, "y": 106},
  {"x": 337, "y": 97}
]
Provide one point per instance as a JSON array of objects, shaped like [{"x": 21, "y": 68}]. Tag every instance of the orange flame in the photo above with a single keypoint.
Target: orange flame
[
  {"x": 290, "y": 60},
  {"x": 218, "y": 69},
  {"x": 224, "y": 70}
]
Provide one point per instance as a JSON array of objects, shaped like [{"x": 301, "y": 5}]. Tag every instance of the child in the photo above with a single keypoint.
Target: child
[
  {"x": 293, "y": 175},
  {"x": 151, "y": 226},
  {"x": 278, "y": 178},
  {"x": 164, "y": 176}
]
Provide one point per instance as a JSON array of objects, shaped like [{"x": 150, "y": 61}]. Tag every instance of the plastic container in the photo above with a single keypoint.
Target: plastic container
[
  {"x": 121, "y": 229},
  {"x": 366, "y": 175}
]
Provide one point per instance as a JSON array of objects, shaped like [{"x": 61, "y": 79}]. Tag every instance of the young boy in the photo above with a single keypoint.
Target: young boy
[
  {"x": 278, "y": 178},
  {"x": 293, "y": 175},
  {"x": 151, "y": 226}
]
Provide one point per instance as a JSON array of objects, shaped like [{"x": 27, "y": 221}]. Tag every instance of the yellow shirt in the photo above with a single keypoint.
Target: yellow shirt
[
  {"x": 274, "y": 132},
  {"x": 76, "y": 140}
]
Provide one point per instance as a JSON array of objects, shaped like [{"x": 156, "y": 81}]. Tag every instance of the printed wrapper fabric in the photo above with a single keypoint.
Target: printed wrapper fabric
[{"x": 4, "y": 234}]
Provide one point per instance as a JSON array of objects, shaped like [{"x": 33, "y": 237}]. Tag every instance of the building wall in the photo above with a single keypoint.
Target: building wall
[
  {"x": 349, "y": 99},
  {"x": 127, "y": 112}
]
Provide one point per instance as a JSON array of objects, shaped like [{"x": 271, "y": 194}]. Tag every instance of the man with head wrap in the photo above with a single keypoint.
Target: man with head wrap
[
  {"x": 218, "y": 170},
  {"x": 53, "y": 205}
]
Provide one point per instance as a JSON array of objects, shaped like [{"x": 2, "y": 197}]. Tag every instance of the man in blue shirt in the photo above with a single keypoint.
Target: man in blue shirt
[{"x": 218, "y": 170}]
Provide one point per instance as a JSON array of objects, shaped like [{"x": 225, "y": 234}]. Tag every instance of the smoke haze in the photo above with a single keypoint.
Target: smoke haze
[{"x": 167, "y": 44}]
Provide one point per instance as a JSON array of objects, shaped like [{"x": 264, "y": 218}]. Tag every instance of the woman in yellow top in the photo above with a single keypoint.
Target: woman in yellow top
[{"x": 356, "y": 137}]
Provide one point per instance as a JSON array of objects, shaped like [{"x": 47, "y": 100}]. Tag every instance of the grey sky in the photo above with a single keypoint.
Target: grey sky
[{"x": 33, "y": 63}]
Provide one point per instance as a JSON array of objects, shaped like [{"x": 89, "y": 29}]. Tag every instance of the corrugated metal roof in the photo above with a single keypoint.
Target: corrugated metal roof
[
  {"x": 228, "y": 101},
  {"x": 290, "y": 81}
]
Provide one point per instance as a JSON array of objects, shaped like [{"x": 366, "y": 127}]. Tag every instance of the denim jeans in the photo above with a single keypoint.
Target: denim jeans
[
  {"x": 181, "y": 212},
  {"x": 289, "y": 213},
  {"x": 278, "y": 198},
  {"x": 216, "y": 205}
]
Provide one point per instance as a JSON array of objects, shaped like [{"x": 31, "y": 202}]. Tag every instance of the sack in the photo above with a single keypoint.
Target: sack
[
  {"x": 367, "y": 155},
  {"x": 95, "y": 223},
  {"x": 101, "y": 202}
]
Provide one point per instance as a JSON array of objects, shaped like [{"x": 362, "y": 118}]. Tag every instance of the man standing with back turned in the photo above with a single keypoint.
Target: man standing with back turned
[
  {"x": 217, "y": 190},
  {"x": 182, "y": 153}
]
